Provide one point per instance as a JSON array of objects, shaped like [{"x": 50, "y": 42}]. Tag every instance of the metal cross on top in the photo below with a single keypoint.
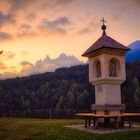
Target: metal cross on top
[{"x": 103, "y": 20}]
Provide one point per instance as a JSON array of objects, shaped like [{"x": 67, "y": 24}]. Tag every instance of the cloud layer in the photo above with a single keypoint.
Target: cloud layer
[
  {"x": 29, "y": 18},
  {"x": 5, "y": 36},
  {"x": 55, "y": 26},
  {"x": 33, "y": 18},
  {"x": 6, "y": 18},
  {"x": 43, "y": 65}
]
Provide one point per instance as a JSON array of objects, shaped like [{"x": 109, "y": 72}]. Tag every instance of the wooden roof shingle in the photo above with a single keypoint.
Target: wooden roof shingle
[{"x": 104, "y": 42}]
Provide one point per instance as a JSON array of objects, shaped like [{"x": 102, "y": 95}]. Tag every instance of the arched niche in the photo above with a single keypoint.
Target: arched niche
[
  {"x": 97, "y": 69},
  {"x": 114, "y": 68}
]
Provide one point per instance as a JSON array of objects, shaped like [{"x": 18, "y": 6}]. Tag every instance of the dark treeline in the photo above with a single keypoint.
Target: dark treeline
[{"x": 66, "y": 88}]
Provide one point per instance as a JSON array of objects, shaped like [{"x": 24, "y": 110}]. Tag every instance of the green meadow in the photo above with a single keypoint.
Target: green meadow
[{"x": 44, "y": 129}]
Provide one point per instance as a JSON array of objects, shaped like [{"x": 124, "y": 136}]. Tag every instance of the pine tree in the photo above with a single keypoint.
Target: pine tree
[
  {"x": 60, "y": 103},
  {"x": 136, "y": 93},
  {"x": 70, "y": 100}
]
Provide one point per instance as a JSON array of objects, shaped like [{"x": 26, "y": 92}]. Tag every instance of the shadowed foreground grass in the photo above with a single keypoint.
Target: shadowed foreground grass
[{"x": 43, "y": 129}]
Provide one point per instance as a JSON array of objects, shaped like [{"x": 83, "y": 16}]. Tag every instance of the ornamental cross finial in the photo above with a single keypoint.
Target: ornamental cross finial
[
  {"x": 103, "y": 20},
  {"x": 103, "y": 26}
]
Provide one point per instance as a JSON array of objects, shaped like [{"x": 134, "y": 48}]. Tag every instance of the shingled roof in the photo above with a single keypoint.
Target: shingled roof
[{"x": 104, "y": 42}]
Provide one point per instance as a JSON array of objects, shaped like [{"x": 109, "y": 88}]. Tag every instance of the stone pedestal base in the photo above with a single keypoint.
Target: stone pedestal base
[
  {"x": 108, "y": 108},
  {"x": 107, "y": 94}
]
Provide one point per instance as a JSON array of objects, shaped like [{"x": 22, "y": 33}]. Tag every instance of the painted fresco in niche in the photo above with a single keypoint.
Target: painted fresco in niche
[
  {"x": 114, "y": 68},
  {"x": 98, "y": 69}
]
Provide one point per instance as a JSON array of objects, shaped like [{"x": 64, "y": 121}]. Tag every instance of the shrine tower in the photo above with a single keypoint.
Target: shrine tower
[{"x": 107, "y": 73}]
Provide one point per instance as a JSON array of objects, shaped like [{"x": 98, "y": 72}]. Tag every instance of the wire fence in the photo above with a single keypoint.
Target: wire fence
[
  {"x": 53, "y": 113},
  {"x": 132, "y": 111}
]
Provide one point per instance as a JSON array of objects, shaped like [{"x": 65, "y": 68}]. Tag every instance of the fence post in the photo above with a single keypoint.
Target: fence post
[{"x": 50, "y": 112}]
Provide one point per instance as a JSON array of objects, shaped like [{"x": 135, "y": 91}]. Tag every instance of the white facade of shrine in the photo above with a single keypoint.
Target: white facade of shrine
[{"x": 107, "y": 73}]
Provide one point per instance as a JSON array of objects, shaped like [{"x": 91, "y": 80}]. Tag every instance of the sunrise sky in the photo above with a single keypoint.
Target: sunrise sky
[{"x": 40, "y": 35}]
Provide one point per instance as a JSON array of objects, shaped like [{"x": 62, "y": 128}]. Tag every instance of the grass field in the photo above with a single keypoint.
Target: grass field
[{"x": 43, "y": 129}]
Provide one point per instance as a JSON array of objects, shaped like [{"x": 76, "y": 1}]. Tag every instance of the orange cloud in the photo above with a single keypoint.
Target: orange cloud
[
  {"x": 24, "y": 53},
  {"x": 8, "y": 55},
  {"x": 2, "y": 66}
]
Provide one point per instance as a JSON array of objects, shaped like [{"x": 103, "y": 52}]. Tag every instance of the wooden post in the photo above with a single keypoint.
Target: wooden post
[
  {"x": 96, "y": 123},
  {"x": 86, "y": 119},
  {"x": 106, "y": 122},
  {"x": 130, "y": 122},
  {"x": 89, "y": 121},
  {"x": 50, "y": 112},
  {"x": 117, "y": 122},
  {"x": 122, "y": 122}
]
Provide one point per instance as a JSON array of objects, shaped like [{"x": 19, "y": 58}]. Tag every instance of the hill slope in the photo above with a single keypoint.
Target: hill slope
[
  {"x": 66, "y": 88},
  {"x": 134, "y": 54}
]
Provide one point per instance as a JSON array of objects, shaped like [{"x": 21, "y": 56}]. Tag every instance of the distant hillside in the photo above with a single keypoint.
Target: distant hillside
[
  {"x": 66, "y": 88},
  {"x": 134, "y": 54}
]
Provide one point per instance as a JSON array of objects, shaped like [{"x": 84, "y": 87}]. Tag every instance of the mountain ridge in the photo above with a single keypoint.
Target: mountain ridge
[{"x": 134, "y": 53}]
